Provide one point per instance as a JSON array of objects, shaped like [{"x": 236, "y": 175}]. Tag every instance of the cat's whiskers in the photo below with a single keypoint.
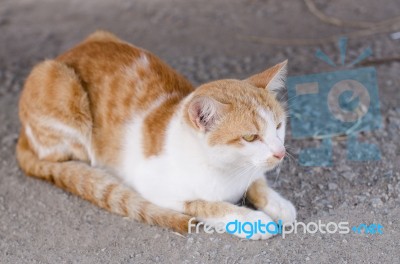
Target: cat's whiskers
[
  {"x": 239, "y": 172},
  {"x": 278, "y": 172},
  {"x": 290, "y": 157},
  {"x": 289, "y": 154},
  {"x": 290, "y": 99}
]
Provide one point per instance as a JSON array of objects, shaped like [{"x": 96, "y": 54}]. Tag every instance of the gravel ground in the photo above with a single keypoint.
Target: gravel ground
[{"x": 205, "y": 41}]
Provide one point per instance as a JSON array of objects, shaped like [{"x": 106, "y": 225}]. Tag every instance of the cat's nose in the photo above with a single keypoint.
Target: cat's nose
[{"x": 279, "y": 154}]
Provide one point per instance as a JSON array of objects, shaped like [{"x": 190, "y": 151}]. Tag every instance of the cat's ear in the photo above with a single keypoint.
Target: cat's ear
[
  {"x": 272, "y": 79},
  {"x": 205, "y": 111}
]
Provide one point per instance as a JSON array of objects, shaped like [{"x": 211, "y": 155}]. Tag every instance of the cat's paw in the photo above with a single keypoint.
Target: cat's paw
[
  {"x": 254, "y": 216},
  {"x": 278, "y": 208},
  {"x": 244, "y": 226}
]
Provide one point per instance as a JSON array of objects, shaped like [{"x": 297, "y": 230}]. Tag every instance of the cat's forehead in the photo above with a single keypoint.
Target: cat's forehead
[
  {"x": 254, "y": 118},
  {"x": 259, "y": 117},
  {"x": 265, "y": 114},
  {"x": 245, "y": 99},
  {"x": 262, "y": 104},
  {"x": 236, "y": 91}
]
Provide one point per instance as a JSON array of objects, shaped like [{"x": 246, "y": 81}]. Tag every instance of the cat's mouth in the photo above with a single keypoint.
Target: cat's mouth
[
  {"x": 272, "y": 162},
  {"x": 268, "y": 164}
]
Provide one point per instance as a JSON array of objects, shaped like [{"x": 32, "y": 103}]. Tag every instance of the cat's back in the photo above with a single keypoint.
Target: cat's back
[{"x": 105, "y": 64}]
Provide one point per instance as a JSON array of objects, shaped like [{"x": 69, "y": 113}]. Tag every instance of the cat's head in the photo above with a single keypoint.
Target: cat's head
[{"x": 240, "y": 122}]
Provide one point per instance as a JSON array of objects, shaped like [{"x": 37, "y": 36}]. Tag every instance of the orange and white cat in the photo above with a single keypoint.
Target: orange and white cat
[{"x": 115, "y": 125}]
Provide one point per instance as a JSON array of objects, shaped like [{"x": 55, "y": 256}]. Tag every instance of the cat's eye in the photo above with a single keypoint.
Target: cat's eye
[
  {"x": 250, "y": 138},
  {"x": 279, "y": 125}
]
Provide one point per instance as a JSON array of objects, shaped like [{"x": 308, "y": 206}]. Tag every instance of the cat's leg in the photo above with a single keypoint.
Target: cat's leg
[
  {"x": 218, "y": 214},
  {"x": 53, "y": 145},
  {"x": 55, "y": 113},
  {"x": 269, "y": 201}
]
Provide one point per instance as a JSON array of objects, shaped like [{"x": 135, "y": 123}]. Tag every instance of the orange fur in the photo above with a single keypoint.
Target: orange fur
[{"x": 257, "y": 193}]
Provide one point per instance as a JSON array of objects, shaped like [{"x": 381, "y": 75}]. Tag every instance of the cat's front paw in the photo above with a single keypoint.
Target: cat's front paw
[
  {"x": 278, "y": 208},
  {"x": 246, "y": 225},
  {"x": 255, "y": 216}
]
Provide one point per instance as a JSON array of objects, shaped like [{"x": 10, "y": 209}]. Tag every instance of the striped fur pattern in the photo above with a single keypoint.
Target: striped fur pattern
[{"x": 115, "y": 125}]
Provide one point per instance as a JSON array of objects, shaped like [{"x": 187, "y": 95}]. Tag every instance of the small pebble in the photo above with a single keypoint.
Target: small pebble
[
  {"x": 376, "y": 202},
  {"x": 332, "y": 186}
]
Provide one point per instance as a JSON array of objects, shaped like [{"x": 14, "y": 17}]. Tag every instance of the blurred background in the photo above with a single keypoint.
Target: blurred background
[{"x": 208, "y": 40}]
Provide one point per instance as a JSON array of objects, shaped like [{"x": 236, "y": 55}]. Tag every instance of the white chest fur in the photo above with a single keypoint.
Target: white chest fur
[{"x": 181, "y": 172}]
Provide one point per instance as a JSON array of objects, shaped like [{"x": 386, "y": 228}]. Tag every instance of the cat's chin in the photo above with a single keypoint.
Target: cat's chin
[
  {"x": 265, "y": 167},
  {"x": 270, "y": 167},
  {"x": 272, "y": 163}
]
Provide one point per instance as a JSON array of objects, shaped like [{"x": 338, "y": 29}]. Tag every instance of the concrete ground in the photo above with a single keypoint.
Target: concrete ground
[{"x": 204, "y": 40}]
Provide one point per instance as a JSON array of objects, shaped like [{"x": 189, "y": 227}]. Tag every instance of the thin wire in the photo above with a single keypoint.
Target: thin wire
[{"x": 366, "y": 29}]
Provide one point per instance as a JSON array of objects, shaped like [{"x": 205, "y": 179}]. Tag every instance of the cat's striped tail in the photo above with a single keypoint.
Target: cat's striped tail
[{"x": 98, "y": 187}]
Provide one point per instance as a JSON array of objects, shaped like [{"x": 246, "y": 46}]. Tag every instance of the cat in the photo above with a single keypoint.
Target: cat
[{"x": 113, "y": 124}]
